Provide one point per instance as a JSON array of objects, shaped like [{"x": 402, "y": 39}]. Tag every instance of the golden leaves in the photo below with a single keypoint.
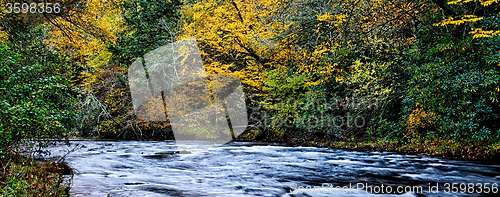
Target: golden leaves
[
  {"x": 488, "y": 2},
  {"x": 483, "y": 2},
  {"x": 85, "y": 33},
  {"x": 233, "y": 34},
  {"x": 480, "y": 33},
  {"x": 477, "y": 32},
  {"x": 419, "y": 118},
  {"x": 325, "y": 17},
  {"x": 459, "y": 2},
  {"x": 462, "y": 20}
]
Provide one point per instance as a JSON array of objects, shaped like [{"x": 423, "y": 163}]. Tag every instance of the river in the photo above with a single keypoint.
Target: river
[{"x": 153, "y": 168}]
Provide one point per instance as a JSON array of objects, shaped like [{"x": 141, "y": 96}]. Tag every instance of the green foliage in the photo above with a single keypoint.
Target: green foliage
[
  {"x": 280, "y": 85},
  {"x": 376, "y": 82},
  {"x": 149, "y": 24},
  {"x": 460, "y": 87},
  {"x": 380, "y": 87},
  {"x": 384, "y": 129},
  {"x": 415, "y": 71},
  {"x": 286, "y": 91},
  {"x": 318, "y": 115},
  {"x": 36, "y": 99}
]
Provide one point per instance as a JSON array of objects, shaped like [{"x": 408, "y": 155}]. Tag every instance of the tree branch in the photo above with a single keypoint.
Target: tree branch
[{"x": 443, "y": 4}]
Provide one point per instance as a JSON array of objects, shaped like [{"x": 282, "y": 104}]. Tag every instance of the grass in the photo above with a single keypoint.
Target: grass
[{"x": 20, "y": 176}]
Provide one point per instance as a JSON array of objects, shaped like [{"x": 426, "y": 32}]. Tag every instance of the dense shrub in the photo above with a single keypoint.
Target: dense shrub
[{"x": 36, "y": 95}]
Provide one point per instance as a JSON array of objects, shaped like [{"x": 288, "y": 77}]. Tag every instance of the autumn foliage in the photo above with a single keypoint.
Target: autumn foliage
[{"x": 431, "y": 66}]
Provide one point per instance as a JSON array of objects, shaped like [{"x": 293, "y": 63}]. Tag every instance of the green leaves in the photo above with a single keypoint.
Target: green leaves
[
  {"x": 147, "y": 25},
  {"x": 280, "y": 85},
  {"x": 458, "y": 80},
  {"x": 36, "y": 101}
]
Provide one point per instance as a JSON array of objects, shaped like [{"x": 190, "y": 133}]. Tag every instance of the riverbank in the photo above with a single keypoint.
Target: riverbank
[
  {"x": 465, "y": 150},
  {"x": 22, "y": 176}
]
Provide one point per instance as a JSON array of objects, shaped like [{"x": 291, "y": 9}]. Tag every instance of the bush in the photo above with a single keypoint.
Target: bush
[
  {"x": 36, "y": 101},
  {"x": 458, "y": 91}
]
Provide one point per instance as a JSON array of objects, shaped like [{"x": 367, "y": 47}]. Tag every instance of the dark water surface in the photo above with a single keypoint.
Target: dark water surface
[{"x": 145, "y": 168}]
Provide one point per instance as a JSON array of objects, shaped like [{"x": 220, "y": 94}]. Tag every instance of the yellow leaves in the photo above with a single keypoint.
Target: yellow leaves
[
  {"x": 311, "y": 83},
  {"x": 218, "y": 68},
  {"x": 471, "y": 18},
  {"x": 341, "y": 18},
  {"x": 320, "y": 52},
  {"x": 98, "y": 24},
  {"x": 420, "y": 119},
  {"x": 462, "y": 20},
  {"x": 3, "y": 36},
  {"x": 483, "y": 2},
  {"x": 488, "y": 2},
  {"x": 479, "y": 33},
  {"x": 237, "y": 32},
  {"x": 459, "y": 2},
  {"x": 335, "y": 20},
  {"x": 411, "y": 40},
  {"x": 324, "y": 17},
  {"x": 272, "y": 3}
]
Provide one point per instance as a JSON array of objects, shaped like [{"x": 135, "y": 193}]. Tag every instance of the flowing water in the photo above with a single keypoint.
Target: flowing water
[{"x": 147, "y": 168}]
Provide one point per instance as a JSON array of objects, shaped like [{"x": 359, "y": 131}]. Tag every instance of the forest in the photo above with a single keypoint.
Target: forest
[{"x": 413, "y": 76}]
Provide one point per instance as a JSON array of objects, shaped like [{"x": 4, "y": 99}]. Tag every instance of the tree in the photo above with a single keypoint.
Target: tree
[
  {"x": 37, "y": 101},
  {"x": 455, "y": 75},
  {"x": 235, "y": 37},
  {"x": 149, "y": 24}
]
